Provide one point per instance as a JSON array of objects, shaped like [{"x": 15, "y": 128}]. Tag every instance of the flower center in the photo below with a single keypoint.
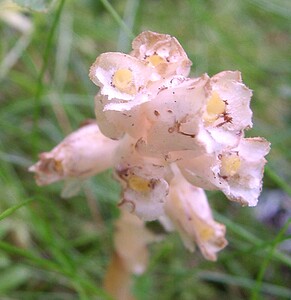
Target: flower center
[
  {"x": 123, "y": 81},
  {"x": 206, "y": 233},
  {"x": 215, "y": 107},
  {"x": 58, "y": 167},
  {"x": 139, "y": 184},
  {"x": 230, "y": 165},
  {"x": 155, "y": 60}
]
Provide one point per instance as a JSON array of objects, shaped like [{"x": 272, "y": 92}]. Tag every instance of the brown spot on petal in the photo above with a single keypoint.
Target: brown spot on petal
[
  {"x": 171, "y": 129},
  {"x": 156, "y": 113}
]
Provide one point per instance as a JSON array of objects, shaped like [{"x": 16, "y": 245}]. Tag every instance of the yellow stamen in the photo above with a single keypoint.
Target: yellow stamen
[
  {"x": 230, "y": 165},
  {"x": 139, "y": 184},
  {"x": 58, "y": 166},
  {"x": 206, "y": 233},
  {"x": 215, "y": 107},
  {"x": 155, "y": 60},
  {"x": 123, "y": 81}
]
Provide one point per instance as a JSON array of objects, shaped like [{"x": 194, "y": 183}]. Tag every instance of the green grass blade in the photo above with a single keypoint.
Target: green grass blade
[
  {"x": 12, "y": 209},
  {"x": 259, "y": 282},
  {"x": 117, "y": 18},
  {"x": 46, "y": 56}
]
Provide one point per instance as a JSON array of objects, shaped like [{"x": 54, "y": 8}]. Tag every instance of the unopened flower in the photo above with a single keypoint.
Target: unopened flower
[{"x": 84, "y": 153}]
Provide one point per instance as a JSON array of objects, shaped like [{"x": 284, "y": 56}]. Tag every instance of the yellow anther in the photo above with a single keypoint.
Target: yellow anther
[
  {"x": 123, "y": 81},
  {"x": 58, "y": 166},
  {"x": 206, "y": 233},
  {"x": 215, "y": 107},
  {"x": 155, "y": 60},
  {"x": 230, "y": 165},
  {"x": 139, "y": 184},
  {"x": 215, "y": 104}
]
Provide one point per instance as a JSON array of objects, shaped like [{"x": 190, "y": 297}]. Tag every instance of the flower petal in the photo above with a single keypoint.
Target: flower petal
[
  {"x": 237, "y": 172},
  {"x": 144, "y": 182},
  {"x": 121, "y": 77},
  {"x": 175, "y": 117},
  {"x": 188, "y": 209},
  {"x": 228, "y": 111},
  {"x": 115, "y": 121},
  {"x": 82, "y": 154},
  {"x": 163, "y": 52}
]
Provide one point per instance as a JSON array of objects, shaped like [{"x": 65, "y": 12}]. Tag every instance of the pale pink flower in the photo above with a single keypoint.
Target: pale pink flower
[
  {"x": 144, "y": 181},
  {"x": 83, "y": 153},
  {"x": 115, "y": 122},
  {"x": 237, "y": 172},
  {"x": 188, "y": 209},
  {"x": 175, "y": 118},
  {"x": 122, "y": 78},
  {"x": 163, "y": 52},
  {"x": 176, "y": 136},
  {"x": 227, "y": 113}
]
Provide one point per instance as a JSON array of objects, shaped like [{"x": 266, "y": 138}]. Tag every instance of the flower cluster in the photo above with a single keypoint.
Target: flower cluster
[{"x": 168, "y": 137}]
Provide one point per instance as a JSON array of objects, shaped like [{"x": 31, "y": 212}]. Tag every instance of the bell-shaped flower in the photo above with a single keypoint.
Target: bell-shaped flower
[
  {"x": 175, "y": 117},
  {"x": 144, "y": 182},
  {"x": 242, "y": 168},
  {"x": 123, "y": 82},
  {"x": 163, "y": 52},
  {"x": 83, "y": 153},
  {"x": 227, "y": 113},
  {"x": 188, "y": 209},
  {"x": 121, "y": 78},
  {"x": 237, "y": 172}
]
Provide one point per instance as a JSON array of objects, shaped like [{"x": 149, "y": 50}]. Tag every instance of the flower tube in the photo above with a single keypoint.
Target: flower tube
[
  {"x": 82, "y": 154},
  {"x": 189, "y": 211}
]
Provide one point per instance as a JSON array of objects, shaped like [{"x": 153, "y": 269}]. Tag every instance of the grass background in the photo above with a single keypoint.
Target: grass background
[{"x": 52, "y": 248}]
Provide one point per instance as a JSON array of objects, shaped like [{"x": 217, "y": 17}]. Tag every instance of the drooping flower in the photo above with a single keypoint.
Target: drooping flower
[
  {"x": 237, "y": 172},
  {"x": 82, "y": 154},
  {"x": 188, "y": 209},
  {"x": 144, "y": 181}
]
